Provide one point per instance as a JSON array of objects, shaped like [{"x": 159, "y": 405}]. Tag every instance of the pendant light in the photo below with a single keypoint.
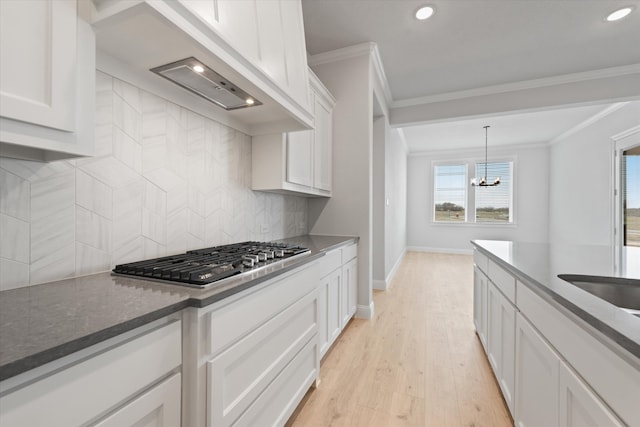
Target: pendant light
[{"x": 483, "y": 181}]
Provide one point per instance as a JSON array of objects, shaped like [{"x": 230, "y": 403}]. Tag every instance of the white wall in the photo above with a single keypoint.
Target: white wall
[
  {"x": 395, "y": 202},
  {"x": 164, "y": 180},
  {"x": 379, "y": 238},
  {"x": 531, "y": 201},
  {"x": 349, "y": 211},
  {"x": 581, "y": 172}
]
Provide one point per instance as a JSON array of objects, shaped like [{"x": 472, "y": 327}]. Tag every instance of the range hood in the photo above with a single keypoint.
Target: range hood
[
  {"x": 195, "y": 76},
  {"x": 148, "y": 43}
]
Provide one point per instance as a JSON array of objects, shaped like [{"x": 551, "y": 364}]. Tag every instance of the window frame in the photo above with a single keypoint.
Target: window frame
[{"x": 470, "y": 208}]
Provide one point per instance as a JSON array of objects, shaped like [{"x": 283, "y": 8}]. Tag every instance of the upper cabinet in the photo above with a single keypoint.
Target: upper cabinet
[
  {"x": 298, "y": 162},
  {"x": 47, "y": 80},
  {"x": 256, "y": 45}
]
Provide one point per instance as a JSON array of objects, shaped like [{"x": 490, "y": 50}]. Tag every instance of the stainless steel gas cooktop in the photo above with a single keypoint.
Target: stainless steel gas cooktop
[{"x": 203, "y": 267}]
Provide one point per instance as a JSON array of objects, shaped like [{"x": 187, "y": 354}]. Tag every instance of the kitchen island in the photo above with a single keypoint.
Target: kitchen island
[{"x": 558, "y": 352}]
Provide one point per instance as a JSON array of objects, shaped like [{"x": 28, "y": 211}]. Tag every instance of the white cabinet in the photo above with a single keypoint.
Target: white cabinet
[
  {"x": 501, "y": 341},
  {"x": 298, "y": 162},
  {"x": 47, "y": 80},
  {"x": 104, "y": 379},
  {"x": 158, "y": 407},
  {"x": 259, "y": 46},
  {"x": 480, "y": 305},
  {"x": 269, "y": 34},
  {"x": 337, "y": 293},
  {"x": 536, "y": 393},
  {"x": 348, "y": 299},
  {"x": 329, "y": 319},
  {"x": 253, "y": 355},
  {"x": 579, "y": 405}
]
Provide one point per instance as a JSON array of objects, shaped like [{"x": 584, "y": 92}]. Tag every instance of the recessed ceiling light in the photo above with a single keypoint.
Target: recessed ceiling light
[
  {"x": 424, "y": 12},
  {"x": 198, "y": 69},
  {"x": 619, "y": 14}
]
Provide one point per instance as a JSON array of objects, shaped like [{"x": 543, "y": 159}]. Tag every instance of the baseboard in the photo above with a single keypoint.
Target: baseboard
[
  {"x": 365, "y": 311},
  {"x": 395, "y": 268},
  {"x": 453, "y": 251},
  {"x": 380, "y": 285}
]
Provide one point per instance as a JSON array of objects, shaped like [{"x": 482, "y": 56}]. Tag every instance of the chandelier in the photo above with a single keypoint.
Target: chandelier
[{"x": 482, "y": 182}]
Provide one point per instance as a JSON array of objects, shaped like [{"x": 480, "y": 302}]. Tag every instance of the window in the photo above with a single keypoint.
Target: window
[
  {"x": 631, "y": 196},
  {"x": 452, "y": 201},
  {"x": 450, "y": 192},
  {"x": 493, "y": 204}
]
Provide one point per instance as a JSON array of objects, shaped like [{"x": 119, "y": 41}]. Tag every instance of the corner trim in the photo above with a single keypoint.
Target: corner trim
[{"x": 365, "y": 311}]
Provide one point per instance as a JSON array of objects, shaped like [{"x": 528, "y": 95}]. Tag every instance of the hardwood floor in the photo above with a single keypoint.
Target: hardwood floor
[{"x": 417, "y": 363}]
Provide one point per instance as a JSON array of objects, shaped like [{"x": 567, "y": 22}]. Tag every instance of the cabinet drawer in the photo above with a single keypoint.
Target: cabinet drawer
[
  {"x": 349, "y": 253},
  {"x": 280, "y": 399},
  {"x": 611, "y": 377},
  {"x": 503, "y": 281},
  {"x": 481, "y": 261},
  {"x": 231, "y": 322},
  {"x": 78, "y": 394},
  {"x": 330, "y": 262},
  {"x": 241, "y": 373}
]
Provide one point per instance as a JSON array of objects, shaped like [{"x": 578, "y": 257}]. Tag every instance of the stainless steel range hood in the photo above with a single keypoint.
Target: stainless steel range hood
[{"x": 193, "y": 75}]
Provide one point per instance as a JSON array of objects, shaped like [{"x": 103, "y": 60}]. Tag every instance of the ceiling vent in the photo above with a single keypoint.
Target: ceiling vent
[{"x": 196, "y": 77}]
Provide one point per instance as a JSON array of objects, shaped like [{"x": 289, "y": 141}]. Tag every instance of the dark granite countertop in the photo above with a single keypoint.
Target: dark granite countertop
[
  {"x": 538, "y": 265},
  {"x": 39, "y": 324}
]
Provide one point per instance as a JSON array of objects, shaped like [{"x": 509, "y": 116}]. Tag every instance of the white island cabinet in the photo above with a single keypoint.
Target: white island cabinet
[
  {"x": 47, "y": 80},
  {"x": 130, "y": 380},
  {"x": 298, "y": 162},
  {"x": 551, "y": 369}
]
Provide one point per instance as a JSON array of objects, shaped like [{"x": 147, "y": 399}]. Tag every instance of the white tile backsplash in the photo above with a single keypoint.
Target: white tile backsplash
[{"x": 163, "y": 180}]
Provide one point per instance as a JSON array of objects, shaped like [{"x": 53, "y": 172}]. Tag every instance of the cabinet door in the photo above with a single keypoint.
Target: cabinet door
[
  {"x": 37, "y": 62},
  {"x": 501, "y": 323},
  {"x": 349, "y": 290},
  {"x": 322, "y": 144},
  {"x": 300, "y": 158},
  {"x": 579, "y": 406},
  {"x": 480, "y": 305},
  {"x": 158, "y": 407},
  {"x": 537, "y": 368},
  {"x": 333, "y": 305},
  {"x": 323, "y": 316}
]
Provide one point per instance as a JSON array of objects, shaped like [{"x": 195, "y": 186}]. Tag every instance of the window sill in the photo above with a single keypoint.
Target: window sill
[{"x": 473, "y": 224}]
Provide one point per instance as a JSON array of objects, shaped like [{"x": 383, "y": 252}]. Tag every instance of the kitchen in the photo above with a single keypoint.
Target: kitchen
[{"x": 148, "y": 190}]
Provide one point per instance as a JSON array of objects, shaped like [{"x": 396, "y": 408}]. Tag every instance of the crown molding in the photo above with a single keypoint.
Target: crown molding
[
  {"x": 378, "y": 68},
  {"x": 471, "y": 152},
  {"x": 342, "y": 54},
  {"x": 588, "y": 122},
  {"x": 522, "y": 85},
  {"x": 626, "y": 133}
]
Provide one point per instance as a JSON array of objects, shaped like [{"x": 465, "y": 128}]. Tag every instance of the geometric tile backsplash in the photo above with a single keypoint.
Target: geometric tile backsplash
[{"x": 163, "y": 180}]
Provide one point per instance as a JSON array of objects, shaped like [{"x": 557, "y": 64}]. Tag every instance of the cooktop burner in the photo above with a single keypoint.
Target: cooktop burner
[{"x": 203, "y": 267}]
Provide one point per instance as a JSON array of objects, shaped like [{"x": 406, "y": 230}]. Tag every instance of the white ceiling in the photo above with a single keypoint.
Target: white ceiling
[{"x": 474, "y": 44}]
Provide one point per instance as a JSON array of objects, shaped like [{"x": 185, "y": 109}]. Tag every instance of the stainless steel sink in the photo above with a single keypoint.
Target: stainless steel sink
[{"x": 623, "y": 293}]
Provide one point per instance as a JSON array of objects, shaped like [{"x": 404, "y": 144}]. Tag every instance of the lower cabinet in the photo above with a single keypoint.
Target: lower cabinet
[
  {"x": 501, "y": 337},
  {"x": 480, "y": 305},
  {"x": 579, "y": 405},
  {"x": 337, "y": 294},
  {"x": 158, "y": 407},
  {"x": 120, "y": 382},
  {"x": 251, "y": 357},
  {"x": 536, "y": 393}
]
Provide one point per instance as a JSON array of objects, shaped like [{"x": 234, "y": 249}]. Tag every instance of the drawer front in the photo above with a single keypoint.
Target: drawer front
[
  {"x": 349, "y": 253},
  {"x": 242, "y": 372},
  {"x": 503, "y": 281},
  {"x": 612, "y": 378},
  {"x": 281, "y": 398},
  {"x": 97, "y": 384},
  {"x": 233, "y": 321},
  {"x": 481, "y": 261},
  {"x": 158, "y": 407},
  {"x": 330, "y": 262}
]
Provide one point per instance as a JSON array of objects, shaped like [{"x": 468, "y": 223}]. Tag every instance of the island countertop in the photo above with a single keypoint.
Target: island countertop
[
  {"x": 538, "y": 265},
  {"x": 42, "y": 323}
]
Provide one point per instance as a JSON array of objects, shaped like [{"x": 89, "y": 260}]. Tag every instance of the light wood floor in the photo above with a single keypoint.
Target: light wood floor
[{"x": 417, "y": 363}]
